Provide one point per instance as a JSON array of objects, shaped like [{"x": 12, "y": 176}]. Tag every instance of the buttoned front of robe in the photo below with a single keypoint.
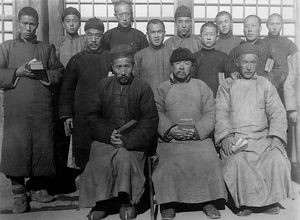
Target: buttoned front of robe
[
  {"x": 27, "y": 147},
  {"x": 251, "y": 109},
  {"x": 152, "y": 65},
  {"x": 191, "y": 42}
]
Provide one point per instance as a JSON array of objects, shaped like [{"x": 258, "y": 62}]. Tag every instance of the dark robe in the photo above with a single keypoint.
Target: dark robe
[
  {"x": 120, "y": 35},
  {"x": 209, "y": 66},
  {"x": 269, "y": 50},
  {"x": 112, "y": 170},
  {"x": 27, "y": 147},
  {"x": 83, "y": 72},
  {"x": 226, "y": 42}
]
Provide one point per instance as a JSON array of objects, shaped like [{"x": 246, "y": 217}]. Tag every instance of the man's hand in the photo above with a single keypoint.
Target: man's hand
[
  {"x": 227, "y": 144},
  {"x": 68, "y": 124},
  {"x": 22, "y": 71},
  {"x": 178, "y": 134},
  {"x": 293, "y": 116},
  {"x": 115, "y": 139}
]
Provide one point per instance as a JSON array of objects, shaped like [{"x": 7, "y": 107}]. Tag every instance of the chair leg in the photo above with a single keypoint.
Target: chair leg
[{"x": 151, "y": 191}]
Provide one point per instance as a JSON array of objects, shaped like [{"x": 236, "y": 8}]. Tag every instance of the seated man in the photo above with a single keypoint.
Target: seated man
[
  {"x": 249, "y": 110},
  {"x": 188, "y": 170},
  {"x": 114, "y": 176}
]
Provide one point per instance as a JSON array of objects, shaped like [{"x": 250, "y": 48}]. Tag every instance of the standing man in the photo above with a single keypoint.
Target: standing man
[
  {"x": 249, "y": 110},
  {"x": 113, "y": 179},
  {"x": 83, "y": 72},
  {"x": 210, "y": 63},
  {"x": 226, "y": 41},
  {"x": 152, "y": 63},
  {"x": 188, "y": 169},
  {"x": 71, "y": 43},
  {"x": 272, "y": 63},
  {"x": 27, "y": 147},
  {"x": 184, "y": 37},
  {"x": 124, "y": 33},
  {"x": 66, "y": 47}
]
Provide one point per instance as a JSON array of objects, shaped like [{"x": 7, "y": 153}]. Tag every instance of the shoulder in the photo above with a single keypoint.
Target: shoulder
[
  {"x": 103, "y": 84},
  {"x": 141, "y": 52},
  {"x": 138, "y": 32},
  {"x": 195, "y": 37},
  {"x": 164, "y": 87},
  {"x": 201, "y": 84},
  {"x": 59, "y": 41},
  {"x": 7, "y": 44},
  {"x": 227, "y": 83}
]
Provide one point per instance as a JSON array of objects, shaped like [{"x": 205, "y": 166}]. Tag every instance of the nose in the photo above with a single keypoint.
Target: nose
[
  {"x": 93, "y": 38},
  {"x": 183, "y": 24},
  {"x": 72, "y": 24},
  {"x": 249, "y": 29},
  {"x": 248, "y": 66},
  {"x": 156, "y": 34},
  {"x": 28, "y": 27}
]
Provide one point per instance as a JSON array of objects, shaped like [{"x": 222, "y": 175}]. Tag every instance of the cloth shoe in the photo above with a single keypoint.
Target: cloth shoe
[
  {"x": 168, "y": 214},
  {"x": 274, "y": 210},
  {"x": 41, "y": 196},
  {"x": 96, "y": 215},
  {"x": 244, "y": 211},
  {"x": 127, "y": 211},
  {"x": 21, "y": 203},
  {"x": 211, "y": 211}
]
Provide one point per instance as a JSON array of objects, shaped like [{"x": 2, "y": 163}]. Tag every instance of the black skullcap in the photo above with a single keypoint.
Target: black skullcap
[
  {"x": 181, "y": 54},
  {"x": 120, "y": 51},
  {"x": 70, "y": 11},
  {"x": 183, "y": 11},
  {"x": 247, "y": 48},
  {"x": 94, "y": 23}
]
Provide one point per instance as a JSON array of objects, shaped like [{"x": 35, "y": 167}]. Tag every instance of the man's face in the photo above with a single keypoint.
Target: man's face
[
  {"x": 93, "y": 39},
  {"x": 27, "y": 27},
  {"x": 124, "y": 15},
  {"x": 184, "y": 25},
  {"x": 71, "y": 24},
  {"x": 274, "y": 25},
  {"x": 182, "y": 69},
  {"x": 224, "y": 23},
  {"x": 122, "y": 68},
  {"x": 156, "y": 34},
  {"x": 252, "y": 29},
  {"x": 209, "y": 36},
  {"x": 247, "y": 64}
]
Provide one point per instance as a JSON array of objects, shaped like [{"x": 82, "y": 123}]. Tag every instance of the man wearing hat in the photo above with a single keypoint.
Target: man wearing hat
[
  {"x": 27, "y": 147},
  {"x": 66, "y": 46},
  {"x": 184, "y": 37},
  {"x": 250, "y": 117},
  {"x": 113, "y": 179},
  {"x": 188, "y": 170},
  {"x": 82, "y": 74},
  {"x": 71, "y": 43},
  {"x": 124, "y": 33}
]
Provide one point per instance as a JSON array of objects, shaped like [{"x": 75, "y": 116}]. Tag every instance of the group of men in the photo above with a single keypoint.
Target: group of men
[{"x": 192, "y": 100}]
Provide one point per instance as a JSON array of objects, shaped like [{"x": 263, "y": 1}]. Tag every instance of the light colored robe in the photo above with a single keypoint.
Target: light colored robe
[
  {"x": 152, "y": 65},
  {"x": 67, "y": 46},
  {"x": 187, "y": 171},
  {"x": 252, "y": 109},
  {"x": 191, "y": 42}
]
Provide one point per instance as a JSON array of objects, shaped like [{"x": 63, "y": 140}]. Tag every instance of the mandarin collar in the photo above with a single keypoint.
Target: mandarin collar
[{"x": 124, "y": 29}]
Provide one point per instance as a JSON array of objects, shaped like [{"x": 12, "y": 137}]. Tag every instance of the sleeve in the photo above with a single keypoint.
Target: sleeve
[
  {"x": 206, "y": 124},
  {"x": 225, "y": 67},
  {"x": 223, "y": 127},
  {"x": 67, "y": 92},
  {"x": 279, "y": 71},
  {"x": 292, "y": 48},
  {"x": 165, "y": 124},
  {"x": 100, "y": 129},
  {"x": 56, "y": 45},
  {"x": 146, "y": 127},
  {"x": 289, "y": 86},
  {"x": 54, "y": 68},
  {"x": 8, "y": 79},
  {"x": 276, "y": 114}
]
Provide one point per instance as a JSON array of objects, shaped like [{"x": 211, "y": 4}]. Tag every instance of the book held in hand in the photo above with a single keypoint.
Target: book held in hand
[
  {"x": 240, "y": 145},
  {"x": 126, "y": 127},
  {"x": 35, "y": 64},
  {"x": 186, "y": 124}
]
